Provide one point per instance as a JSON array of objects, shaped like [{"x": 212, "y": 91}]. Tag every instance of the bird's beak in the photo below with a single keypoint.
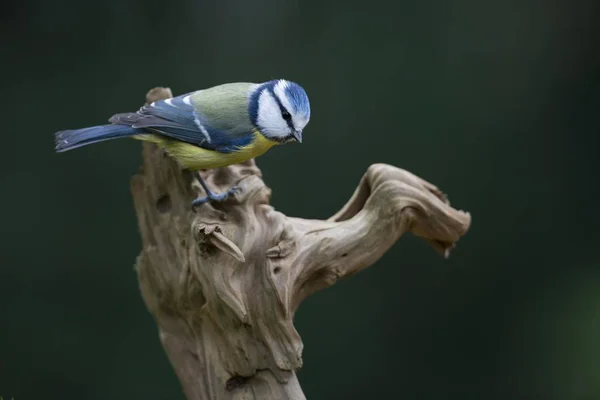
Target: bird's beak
[{"x": 297, "y": 136}]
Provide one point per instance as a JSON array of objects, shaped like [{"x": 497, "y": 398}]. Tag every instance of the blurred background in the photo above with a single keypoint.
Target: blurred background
[{"x": 496, "y": 102}]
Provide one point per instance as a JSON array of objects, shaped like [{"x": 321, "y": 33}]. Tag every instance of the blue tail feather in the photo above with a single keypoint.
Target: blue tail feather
[{"x": 72, "y": 139}]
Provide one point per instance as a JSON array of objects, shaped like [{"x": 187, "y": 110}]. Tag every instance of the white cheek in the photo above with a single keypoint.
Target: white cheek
[{"x": 269, "y": 116}]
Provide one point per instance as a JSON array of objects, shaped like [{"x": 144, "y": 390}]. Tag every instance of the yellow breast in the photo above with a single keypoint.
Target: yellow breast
[{"x": 194, "y": 157}]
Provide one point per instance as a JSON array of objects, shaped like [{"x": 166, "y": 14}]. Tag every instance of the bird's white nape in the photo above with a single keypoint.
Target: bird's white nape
[{"x": 269, "y": 117}]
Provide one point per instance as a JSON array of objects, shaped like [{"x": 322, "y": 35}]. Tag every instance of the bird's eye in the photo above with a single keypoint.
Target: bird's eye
[{"x": 286, "y": 115}]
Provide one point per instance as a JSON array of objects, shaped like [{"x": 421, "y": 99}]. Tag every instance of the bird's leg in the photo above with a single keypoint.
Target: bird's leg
[{"x": 210, "y": 195}]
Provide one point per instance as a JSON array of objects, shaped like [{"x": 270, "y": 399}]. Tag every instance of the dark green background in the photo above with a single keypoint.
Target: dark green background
[{"x": 496, "y": 102}]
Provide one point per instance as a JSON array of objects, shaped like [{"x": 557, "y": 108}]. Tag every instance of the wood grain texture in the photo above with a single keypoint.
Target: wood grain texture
[{"x": 223, "y": 283}]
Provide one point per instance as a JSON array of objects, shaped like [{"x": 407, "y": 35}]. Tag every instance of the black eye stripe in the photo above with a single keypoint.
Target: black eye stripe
[{"x": 283, "y": 110}]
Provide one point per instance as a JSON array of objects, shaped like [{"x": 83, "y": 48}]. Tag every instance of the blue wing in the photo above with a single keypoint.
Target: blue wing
[{"x": 178, "y": 119}]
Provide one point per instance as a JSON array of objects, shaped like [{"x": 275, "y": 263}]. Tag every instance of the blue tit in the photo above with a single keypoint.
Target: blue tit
[{"x": 210, "y": 128}]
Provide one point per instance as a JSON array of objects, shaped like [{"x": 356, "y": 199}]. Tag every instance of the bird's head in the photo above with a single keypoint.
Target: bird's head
[{"x": 280, "y": 110}]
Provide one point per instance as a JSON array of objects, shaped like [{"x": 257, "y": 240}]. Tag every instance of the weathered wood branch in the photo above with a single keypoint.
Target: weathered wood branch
[{"x": 223, "y": 283}]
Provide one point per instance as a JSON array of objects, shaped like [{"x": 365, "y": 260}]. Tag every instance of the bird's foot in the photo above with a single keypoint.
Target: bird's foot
[{"x": 215, "y": 197}]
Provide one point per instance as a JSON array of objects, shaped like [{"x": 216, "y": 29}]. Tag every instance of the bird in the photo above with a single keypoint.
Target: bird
[{"x": 209, "y": 128}]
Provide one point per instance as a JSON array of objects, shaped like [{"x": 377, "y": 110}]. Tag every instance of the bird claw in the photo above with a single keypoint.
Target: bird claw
[{"x": 215, "y": 197}]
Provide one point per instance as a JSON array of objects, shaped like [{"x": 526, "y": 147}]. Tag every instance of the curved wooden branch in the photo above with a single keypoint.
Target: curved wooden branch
[{"x": 224, "y": 283}]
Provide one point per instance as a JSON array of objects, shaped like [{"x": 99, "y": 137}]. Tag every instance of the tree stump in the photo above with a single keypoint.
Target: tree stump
[{"x": 223, "y": 283}]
